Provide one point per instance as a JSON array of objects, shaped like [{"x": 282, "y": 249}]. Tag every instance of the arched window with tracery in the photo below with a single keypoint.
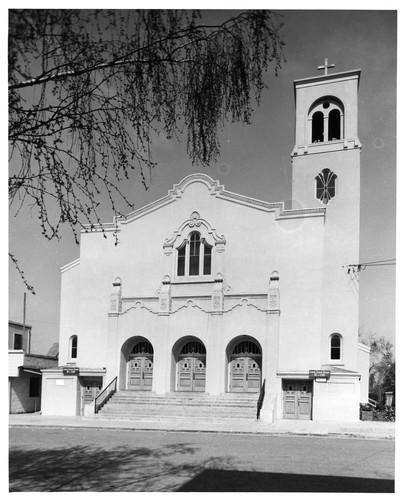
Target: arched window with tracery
[{"x": 194, "y": 256}]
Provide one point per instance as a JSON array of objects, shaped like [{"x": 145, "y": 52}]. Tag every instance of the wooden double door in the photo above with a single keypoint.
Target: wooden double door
[
  {"x": 245, "y": 373},
  {"x": 297, "y": 399},
  {"x": 140, "y": 373},
  {"x": 192, "y": 373}
]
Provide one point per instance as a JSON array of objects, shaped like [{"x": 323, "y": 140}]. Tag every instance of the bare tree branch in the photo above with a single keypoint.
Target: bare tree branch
[{"x": 88, "y": 91}]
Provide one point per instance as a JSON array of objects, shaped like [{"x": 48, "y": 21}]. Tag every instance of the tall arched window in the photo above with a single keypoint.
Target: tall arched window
[
  {"x": 194, "y": 257},
  {"x": 73, "y": 347},
  {"x": 194, "y": 254},
  {"x": 335, "y": 347}
]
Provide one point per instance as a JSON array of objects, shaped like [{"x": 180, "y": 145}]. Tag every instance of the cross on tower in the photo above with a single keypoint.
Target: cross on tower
[{"x": 326, "y": 66}]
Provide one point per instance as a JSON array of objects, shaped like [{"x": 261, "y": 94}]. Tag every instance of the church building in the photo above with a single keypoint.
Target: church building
[{"x": 216, "y": 293}]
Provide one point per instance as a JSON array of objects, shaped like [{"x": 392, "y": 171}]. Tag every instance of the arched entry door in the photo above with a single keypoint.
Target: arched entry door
[
  {"x": 140, "y": 367},
  {"x": 245, "y": 367},
  {"x": 192, "y": 367}
]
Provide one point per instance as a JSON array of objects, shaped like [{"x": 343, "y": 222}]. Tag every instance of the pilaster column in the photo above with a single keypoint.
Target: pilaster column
[{"x": 272, "y": 399}]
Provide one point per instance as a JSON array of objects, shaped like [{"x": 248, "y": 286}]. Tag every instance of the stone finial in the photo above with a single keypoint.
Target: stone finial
[
  {"x": 116, "y": 296},
  {"x": 274, "y": 292},
  {"x": 165, "y": 301},
  {"x": 217, "y": 297}
]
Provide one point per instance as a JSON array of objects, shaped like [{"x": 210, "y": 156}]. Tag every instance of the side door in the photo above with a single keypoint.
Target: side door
[{"x": 297, "y": 399}]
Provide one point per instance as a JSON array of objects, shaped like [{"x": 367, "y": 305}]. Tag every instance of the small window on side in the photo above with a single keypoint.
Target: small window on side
[
  {"x": 335, "y": 347},
  {"x": 73, "y": 347},
  {"x": 18, "y": 341}
]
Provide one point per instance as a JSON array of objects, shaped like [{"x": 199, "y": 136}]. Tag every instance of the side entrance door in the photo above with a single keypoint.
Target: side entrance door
[
  {"x": 297, "y": 399},
  {"x": 140, "y": 373},
  {"x": 245, "y": 374},
  {"x": 192, "y": 373}
]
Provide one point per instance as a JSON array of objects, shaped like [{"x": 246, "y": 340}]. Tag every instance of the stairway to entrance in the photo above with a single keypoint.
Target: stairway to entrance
[{"x": 131, "y": 405}]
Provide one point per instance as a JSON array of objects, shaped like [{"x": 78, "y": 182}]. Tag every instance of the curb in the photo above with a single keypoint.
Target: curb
[{"x": 286, "y": 433}]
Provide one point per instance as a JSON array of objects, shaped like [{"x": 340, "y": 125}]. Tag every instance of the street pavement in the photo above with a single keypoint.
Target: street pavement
[
  {"x": 80, "y": 459},
  {"x": 359, "y": 429}
]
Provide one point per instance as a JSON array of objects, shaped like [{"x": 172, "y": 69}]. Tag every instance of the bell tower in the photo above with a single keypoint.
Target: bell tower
[{"x": 326, "y": 173}]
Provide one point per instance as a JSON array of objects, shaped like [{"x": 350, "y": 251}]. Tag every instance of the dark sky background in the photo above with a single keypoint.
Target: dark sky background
[{"x": 255, "y": 161}]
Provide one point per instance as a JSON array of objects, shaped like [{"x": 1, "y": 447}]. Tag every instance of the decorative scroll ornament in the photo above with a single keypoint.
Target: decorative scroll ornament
[{"x": 195, "y": 220}]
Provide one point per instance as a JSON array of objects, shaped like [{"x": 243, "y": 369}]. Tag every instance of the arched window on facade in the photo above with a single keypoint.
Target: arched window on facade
[
  {"x": 73, "y": 347},
  {"x": 325, "y": 185},
  {"x": 194, "y": 257},
  {"x": 335, "y": 347},
  {"x": 326, "y": 118},
  {"x": 194, "y": 254}
]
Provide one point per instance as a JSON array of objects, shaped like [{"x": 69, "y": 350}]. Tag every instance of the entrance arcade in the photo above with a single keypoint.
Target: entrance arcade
[
  {"x": 245, "y": 367},
  {"x": 140, "y": 367}
]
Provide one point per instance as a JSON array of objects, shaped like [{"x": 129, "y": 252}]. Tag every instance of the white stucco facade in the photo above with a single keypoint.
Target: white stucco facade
[{"x": 215, "y": 292}]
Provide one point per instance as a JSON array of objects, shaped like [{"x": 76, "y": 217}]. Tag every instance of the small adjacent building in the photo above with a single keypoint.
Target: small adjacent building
[
  {"x": 210, "y": 291},
  {"x": 25, "y": 369}
]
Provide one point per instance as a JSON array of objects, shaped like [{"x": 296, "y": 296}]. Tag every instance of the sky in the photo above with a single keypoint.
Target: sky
[{"x": 255, "y": 161}]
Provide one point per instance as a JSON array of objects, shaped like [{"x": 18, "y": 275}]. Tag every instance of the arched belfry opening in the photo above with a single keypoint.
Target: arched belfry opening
[
  {"x": 334, "y": 125},
  {"x": 317, "y": 127},
  {"x": 326, "y": 120},
  {"x": 244, "y": 358}
]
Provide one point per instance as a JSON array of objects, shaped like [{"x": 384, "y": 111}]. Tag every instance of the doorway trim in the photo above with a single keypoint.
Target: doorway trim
[{"x": 250, "y": 357}]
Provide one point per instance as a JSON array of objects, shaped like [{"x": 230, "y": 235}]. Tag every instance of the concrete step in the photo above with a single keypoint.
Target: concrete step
[{"x": 147, "y": 405}]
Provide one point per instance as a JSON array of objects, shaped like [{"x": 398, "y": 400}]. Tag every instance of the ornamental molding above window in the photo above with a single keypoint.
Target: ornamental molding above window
[
  {"x": 194, "y": 251},
  {"x": 195, "y": 222}
]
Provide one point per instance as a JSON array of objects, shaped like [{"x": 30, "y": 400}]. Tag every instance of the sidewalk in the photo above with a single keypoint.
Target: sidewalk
[{"x": 360, "y": 429}]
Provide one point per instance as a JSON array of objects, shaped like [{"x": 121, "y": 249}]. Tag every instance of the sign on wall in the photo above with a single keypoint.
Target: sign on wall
[
  {"x": 71, "y": 371},
  {"x": 319, "y": 374}
]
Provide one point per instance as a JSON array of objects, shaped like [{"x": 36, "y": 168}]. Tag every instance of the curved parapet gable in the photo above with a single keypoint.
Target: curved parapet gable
[
  {"x": 215, "y": 189},
  {"x": 213, "y": 186}
]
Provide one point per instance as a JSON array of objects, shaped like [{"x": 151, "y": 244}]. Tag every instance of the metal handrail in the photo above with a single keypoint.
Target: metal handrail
[
  {"x": 105, "y": 394},
  {"x": 261, "y": 399}
]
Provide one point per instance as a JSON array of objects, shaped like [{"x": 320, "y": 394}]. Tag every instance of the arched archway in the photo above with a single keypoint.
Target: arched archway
[
  {"x": 138, "y": 364},
  {"x": 244, "y": 357},
  {"x": 189, "y": 357}
]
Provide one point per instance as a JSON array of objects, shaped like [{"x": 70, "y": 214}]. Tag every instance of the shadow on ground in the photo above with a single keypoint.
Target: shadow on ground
[
  {"x": 88, "y": 468},
  {"x": 170, "y": 468},
  {"x": 233, "y": 480}
]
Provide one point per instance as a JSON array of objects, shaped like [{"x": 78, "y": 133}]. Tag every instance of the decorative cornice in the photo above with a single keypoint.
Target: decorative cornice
[
  {"x": 139, "y": 305},
  {"x": 70, "y": 265},
  {"x": 190, "y": 303},
  {"x": 301, "y": 212},
  {"x": 251, "y": 202}
]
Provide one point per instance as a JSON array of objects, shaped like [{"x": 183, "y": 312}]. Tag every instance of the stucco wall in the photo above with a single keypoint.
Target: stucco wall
[{"x": 20, "y": 401}]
